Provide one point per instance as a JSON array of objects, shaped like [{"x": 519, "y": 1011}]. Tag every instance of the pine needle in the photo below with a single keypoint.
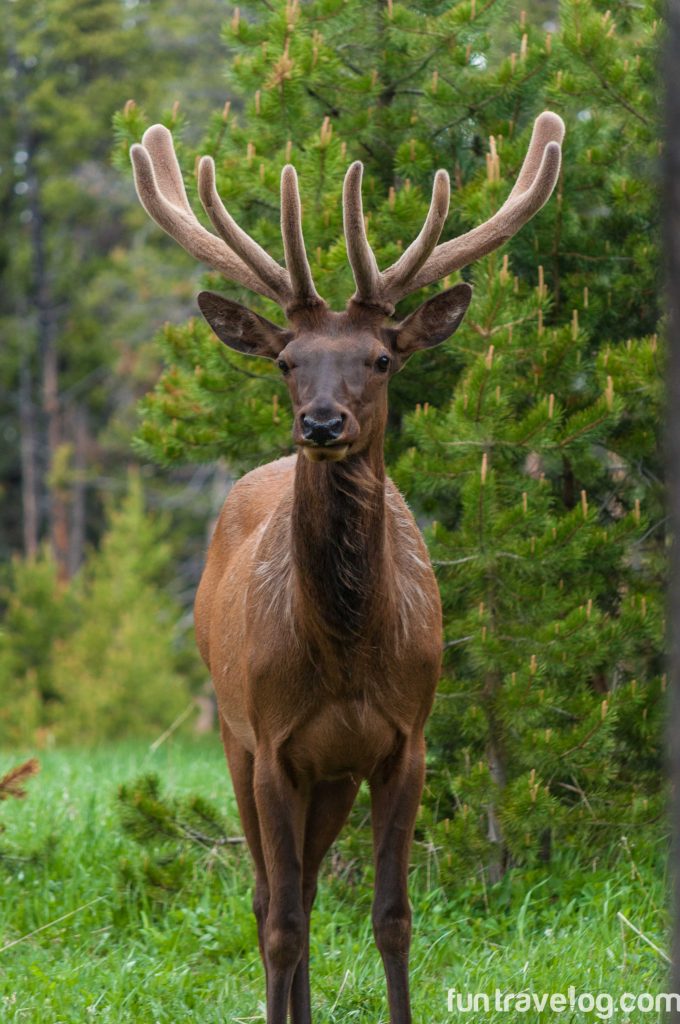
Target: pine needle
[{"x": 12, "y": 784}]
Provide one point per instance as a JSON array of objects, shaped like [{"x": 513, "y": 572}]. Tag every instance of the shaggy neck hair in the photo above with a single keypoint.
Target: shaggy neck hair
[{"x": 338, "y": 542}]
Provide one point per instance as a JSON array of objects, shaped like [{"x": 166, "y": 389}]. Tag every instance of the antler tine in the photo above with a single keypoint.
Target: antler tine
[
  {"x": 372, "y": 286},
  {"x": 367, "y": 277},
  {"x": 548, "y": 127},
  {"x": 533, "y": 188},
  {"x": 157, "y": 141},
  {"x": 297, "y": 264},
  {"x": 410, "y": 262},
  {"x": 252, "y": 254},
  {"x": 160, "y": 188}
]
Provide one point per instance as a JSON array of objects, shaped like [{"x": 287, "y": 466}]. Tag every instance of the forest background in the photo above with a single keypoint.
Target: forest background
[{"x": 528, "y": 445}]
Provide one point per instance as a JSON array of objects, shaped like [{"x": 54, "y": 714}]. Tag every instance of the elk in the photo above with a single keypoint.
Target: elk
[{"x": 318, "y": 613}]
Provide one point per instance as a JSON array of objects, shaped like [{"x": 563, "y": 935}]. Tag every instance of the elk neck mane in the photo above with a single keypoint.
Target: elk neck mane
[{"x": 338, "y": 543}]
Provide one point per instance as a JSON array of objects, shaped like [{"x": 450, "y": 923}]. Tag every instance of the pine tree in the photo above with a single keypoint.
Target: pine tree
[
  {"x": 38, "y": 611},
  {"x": 553, "y": 673},
  {"x": 545, "y": 473},
  {"x": 107, "y": 653},
  {"x": 534, "y": 440},
  {"x": 303, "y": 98},
  {"x": 607, "y": 231},
  {"x": 117, "y": 674}
]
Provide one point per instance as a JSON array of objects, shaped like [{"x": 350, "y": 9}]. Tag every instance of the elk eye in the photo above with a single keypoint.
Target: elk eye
[
  {"x": 382, "y": 363},
  {"x": 283, "y": 366}
]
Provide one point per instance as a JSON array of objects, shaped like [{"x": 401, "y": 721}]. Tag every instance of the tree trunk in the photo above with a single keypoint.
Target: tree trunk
[
  {"x": 57, "y": 495},
  {"x": 28, "y": 427},
  {"x": 29, "y": 474},
  {"x": 76, "y": 547},
  {"x": 57, "y": 509}
]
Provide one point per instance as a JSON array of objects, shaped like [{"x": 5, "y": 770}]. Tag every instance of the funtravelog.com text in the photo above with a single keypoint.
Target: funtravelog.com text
[{"x": 602, "y": 1005}]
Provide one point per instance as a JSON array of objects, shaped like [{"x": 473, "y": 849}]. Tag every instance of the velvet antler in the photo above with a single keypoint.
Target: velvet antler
[
  {"x": 235, "y": 254},
  {"x": 424, "y": 261}
]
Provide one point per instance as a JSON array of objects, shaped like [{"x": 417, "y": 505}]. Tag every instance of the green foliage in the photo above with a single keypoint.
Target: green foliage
[
  {"x": 300, "y": 92},
  {"x": 117, "y": 672},
  {"x": 184, "y": 835},
  {"x": 103, "y": 655},
  {"x": 68, "y": 62},
  {"x": 77, "y": 278},
  {"x": 38, "y": 612},
  {"x": 197, "y": 406},
  {"x": 605, "y": 77},
  {"x": 529, "y": 441},
  {"x": 552, "y": 606},
  {"x": 287, "y": 69}
]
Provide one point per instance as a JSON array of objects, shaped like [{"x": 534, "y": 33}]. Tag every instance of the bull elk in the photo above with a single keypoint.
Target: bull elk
[{"x": 318, "y": 613}]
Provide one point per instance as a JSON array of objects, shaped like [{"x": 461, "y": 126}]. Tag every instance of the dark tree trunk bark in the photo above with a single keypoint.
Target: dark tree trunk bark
[
  {"x": 29, "y": 472},
  {"x": 77, "y": 535},
  {"x": 29, "y": 425},
  {"x": 497, "y": 768},
  {"x": 57, "y": 507},
  {"x": 57, "y": 495},
  {"x": 672, "y": 223}
]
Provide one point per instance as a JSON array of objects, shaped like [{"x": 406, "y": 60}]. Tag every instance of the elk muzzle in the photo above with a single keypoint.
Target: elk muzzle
[
  {"x": 325, "y": 434},
  {"x": 325, "y": 431}
]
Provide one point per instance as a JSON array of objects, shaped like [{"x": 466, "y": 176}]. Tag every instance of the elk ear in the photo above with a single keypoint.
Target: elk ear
[
  {"x": 241, "y": 329},
  {"x": 433, "y": 322}
]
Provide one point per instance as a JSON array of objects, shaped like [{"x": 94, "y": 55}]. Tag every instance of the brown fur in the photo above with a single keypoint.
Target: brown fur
[{"x": 324, "y": 584}]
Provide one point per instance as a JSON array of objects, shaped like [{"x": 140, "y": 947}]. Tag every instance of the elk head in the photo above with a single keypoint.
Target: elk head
[{"x": 336, "y": 365}]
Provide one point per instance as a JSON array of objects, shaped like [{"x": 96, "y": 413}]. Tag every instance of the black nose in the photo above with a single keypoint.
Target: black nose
[{"x": 321, "y": 431}]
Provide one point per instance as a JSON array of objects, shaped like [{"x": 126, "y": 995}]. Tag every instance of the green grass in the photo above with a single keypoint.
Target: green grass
[{"x": 129, "y": 957}]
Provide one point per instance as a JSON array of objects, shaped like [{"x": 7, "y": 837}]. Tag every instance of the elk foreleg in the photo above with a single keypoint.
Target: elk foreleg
[
  {"x": 395, "y": 796},
  {"x": 329, "y": 806},
  {"x": 281, "y": 808},
  {"x": 241, "y": 765}
]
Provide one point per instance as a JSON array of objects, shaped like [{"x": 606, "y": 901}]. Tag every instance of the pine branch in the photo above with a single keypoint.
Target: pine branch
[
  {"x": 12, "y": 784},
  {"x": 615, "y": 95}
]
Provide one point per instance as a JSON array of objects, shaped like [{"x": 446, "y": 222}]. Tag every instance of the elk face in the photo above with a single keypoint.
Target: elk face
[
  {"x": 337, "y": 369},
  {"x": 338, "y": 387}
]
